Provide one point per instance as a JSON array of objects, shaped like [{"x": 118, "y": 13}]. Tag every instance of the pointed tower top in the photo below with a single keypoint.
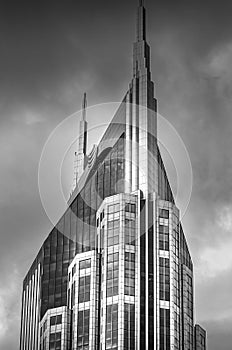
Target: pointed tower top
[
  {"x": 141, "y": 22},
  {"x": 84, "y": 106}
]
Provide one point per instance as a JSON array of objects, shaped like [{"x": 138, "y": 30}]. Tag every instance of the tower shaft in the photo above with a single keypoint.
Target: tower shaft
[{"x": 80, "y": 155}]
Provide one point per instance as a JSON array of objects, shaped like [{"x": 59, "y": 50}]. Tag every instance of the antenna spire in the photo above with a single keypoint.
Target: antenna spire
[
  {"x": 80, "y": 155},
  {"x": 84, "y": 106},
  {"x": 141, "y": 22}
]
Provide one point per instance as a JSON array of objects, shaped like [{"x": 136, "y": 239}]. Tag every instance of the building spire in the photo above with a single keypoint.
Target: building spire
[
  {"x": 80, "y": 155},
  {"x": 141, "y": 56},
  {"x": 84, "y": 106},
  {"x": 141, "y": 22}
]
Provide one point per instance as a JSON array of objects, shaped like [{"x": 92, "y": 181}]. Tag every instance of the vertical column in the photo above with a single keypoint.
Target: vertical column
[
  {"x": 155, "y": 254},
  {"x": 135, "y": 139},
  {"x": 138, "y": 289},
  {"x": 22, "y": 335},
  {"x": 37, "y": 316},
  {"x": 146, "y": 274},
  {"x": 25, "y": 318},
  {"x": 128, "y": 146},
  {"x": 28, "y": 317},
  {"x": 33, "y": 310}
]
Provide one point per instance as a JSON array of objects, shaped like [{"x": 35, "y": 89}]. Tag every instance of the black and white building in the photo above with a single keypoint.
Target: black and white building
[{"x": 116, "y": 272}]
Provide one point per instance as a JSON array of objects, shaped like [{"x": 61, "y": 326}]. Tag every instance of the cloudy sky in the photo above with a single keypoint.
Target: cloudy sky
[{"x": 53, "y": 51}]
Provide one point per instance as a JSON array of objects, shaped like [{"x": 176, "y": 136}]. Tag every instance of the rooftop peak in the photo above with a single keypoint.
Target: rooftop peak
[
  {"x": 84, "y": 106},
  {"x": 141, "y": 22}
]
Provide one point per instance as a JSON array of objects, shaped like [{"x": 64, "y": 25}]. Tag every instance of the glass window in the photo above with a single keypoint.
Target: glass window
[
  {"x": 54, "y": 320},
  {"x": 85, "y": 264},
  {"x": 129, "y": 326},
  {"x": 164, "y": 213},
  {"x": 58, "y": 319},
  {"x": 84, "y": 289},
  {"x": 164, "y": 329},
  {"x": 113, "y": 208},
  {"x": 112, "y": 326},
  {"x": 130, "y": 207},
  {"x": 113, "y": 232},
  {"x": 163, "y": 237},
  {"x": 83, "y": 329},
  {"x": 164, "y": 279},
  {"x": 129, "y": 276},
  {"x": 112, "y": 274}
]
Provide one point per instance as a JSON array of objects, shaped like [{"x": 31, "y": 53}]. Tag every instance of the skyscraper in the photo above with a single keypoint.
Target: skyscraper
[{"x": 115, "y": 272}]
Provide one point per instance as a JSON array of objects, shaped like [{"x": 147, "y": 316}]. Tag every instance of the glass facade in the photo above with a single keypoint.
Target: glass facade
[
  {"x": 164, "y": 329},
  {"x": 118, "y": 271},
  {"x": 164, "y": 278},
  {"x": 55, "y": 329},
  {"x": 112, "y": 274},
  {"x": 58, "y": 252},
  {"x": 129, "y": 281},
  {"x": 112, "y": 326},
  {"x": 83, "y": 300},
  {"x": 163, "y": 237},
  {"x": 83, "y": 330},
  {"x": 129, "y": 326}
]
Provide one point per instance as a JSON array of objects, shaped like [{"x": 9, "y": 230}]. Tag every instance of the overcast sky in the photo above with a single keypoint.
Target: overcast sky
[{"x": 53, "y": 51}]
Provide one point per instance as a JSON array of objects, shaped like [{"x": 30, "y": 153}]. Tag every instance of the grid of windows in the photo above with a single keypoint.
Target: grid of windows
[
  {"x": 184, "y": 252},
  {"x": 189, "y": 336},
  {"x": 83, "y": 330},
  {"x": 55, "y": 341},
  {"x": 164, "y": 189},
  {"x": 112, "y": 274},
  {"x": 130, "y": 231},
  {"x": 129, "y": 282},
  {"x": 106, "y": 178},
  {"x": 163, "y": 237},
  {"x": 175, "y": 235},
  {"x": 176, "y": 284},
  {"x": 103, "y": 181},
  {"x": 84, "y": 289},
  {"x": 176, "y": 330},
  {"x": 164, "y": 279},
  {"x": 112, "y": 326},
  {"x": 113, "y": 232},
  {"x": 189, "y": 296},
  {"x": 129, "y": 326},
  {"x": 57, "y": 251},
  {"x": 164, "y": 329}
]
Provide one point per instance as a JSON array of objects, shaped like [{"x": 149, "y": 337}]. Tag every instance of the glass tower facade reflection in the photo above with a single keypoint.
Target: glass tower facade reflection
[{"x": 116, "y": 272}]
